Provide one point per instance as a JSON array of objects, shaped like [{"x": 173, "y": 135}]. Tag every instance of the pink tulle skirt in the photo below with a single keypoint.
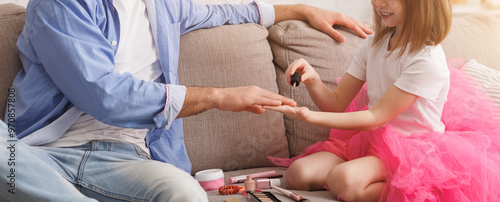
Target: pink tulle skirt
[{"x": 460, "y": 164}]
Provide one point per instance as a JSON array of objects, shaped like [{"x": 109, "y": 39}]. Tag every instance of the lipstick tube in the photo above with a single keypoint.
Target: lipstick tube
[{"x": 242, "y": 178}]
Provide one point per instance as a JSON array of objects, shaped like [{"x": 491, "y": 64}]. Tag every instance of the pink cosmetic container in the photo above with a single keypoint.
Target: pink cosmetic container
[{"x": 210, "y": 179}]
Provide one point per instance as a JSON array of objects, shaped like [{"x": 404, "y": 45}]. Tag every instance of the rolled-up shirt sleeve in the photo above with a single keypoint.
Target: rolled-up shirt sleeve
[
  {"x": 196, "y": 16},
  {"x": 175, "y": 99},
  {"x": 267, "y": 14}
]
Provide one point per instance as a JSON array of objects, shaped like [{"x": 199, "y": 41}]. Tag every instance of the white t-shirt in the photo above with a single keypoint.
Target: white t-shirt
[
  {"x": 136, "y": 55},
  {"x": 424, "y": 74}
]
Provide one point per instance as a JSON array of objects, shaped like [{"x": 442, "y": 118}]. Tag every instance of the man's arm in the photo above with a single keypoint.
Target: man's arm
[
  {"x": 196, "y": 16},
  {"x": 321, "y": 19},
  {"x": 248, "y": 98}
]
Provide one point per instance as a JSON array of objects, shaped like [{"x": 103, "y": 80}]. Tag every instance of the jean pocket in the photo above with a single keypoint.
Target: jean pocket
[{"x": 141, "y": 153}]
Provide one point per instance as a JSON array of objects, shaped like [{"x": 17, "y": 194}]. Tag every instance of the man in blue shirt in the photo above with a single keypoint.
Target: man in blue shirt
[{"x": 77, "y": 90}]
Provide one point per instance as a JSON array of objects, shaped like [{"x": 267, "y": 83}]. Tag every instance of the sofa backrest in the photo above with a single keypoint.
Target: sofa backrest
[
  {"x": 11, "y": 25},
  {"x": 294, "y": 39},
  {"x": 475, "y": 36},
  {"x": 230, "y": 56}
]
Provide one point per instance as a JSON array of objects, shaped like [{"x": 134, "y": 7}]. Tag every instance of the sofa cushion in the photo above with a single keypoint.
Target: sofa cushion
[
  {"x": 11, "y": 23},
  {"x": 291, "y": 40},
  {"x": 487, "y": 77},
  {"x": 475, "y": 37},
  {"x": 229, "y": 56}
]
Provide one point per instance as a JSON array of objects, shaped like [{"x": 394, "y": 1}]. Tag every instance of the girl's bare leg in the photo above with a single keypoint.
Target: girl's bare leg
[
  {"x": 358, "y": 180},
  {"x": 310, "y": 172}
]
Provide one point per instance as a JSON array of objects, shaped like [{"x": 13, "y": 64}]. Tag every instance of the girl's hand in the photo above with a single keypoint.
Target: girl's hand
[
  {"x": 299, "y": 113},
  {"x": 309, "y": 75}
]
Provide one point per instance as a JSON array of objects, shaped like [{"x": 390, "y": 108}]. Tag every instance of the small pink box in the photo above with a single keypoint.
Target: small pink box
[
  {"x": 265, "y": 183},
  {"x": 210, "y": 179}
]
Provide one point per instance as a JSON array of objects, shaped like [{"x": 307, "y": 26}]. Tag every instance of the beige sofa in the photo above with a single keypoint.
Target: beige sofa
[{"x": 237, "y": 55}]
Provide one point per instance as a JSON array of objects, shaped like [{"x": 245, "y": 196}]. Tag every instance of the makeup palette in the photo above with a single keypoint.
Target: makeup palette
[{"x": 262, "y": 197}]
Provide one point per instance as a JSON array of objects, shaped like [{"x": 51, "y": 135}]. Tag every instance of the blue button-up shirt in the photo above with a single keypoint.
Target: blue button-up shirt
[{"x": 68, "y": 47}]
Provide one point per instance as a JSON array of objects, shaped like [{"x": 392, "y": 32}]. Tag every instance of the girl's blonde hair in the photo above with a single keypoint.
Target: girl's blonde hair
[{"x": 427, "y": 22}]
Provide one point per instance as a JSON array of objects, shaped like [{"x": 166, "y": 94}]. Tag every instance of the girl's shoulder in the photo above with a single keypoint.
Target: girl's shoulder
[
  {"x": 367, "y": 43},
  {"x": 430, "y": 61},
  {"x": 428, "y": 54}
]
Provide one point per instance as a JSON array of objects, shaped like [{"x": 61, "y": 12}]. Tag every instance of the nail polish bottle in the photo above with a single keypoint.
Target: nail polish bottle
[
  {"x": 295, "y": 80},
  {"x": 249, "y": 184}
]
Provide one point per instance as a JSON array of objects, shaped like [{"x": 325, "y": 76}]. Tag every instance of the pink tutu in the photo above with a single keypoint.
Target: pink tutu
[{"x": 460, "y": 164}]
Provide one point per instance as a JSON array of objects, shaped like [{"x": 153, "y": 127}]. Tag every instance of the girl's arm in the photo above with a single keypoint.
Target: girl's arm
[
  {"x": 336, "y": 100},
  {"x": 326, "y": 99},
  {"x": 391, "y": 104}
]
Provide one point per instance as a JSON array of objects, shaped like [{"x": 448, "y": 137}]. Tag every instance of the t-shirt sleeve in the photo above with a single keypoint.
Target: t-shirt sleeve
[
  {"x": 357, "y": 68},
  {"x": 424, "y": 75}
]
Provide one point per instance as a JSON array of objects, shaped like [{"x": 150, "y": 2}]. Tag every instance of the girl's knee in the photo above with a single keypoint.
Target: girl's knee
[
  {"x": 341, "y": 181},
  {"x": 350, "y": 183},
  {"x": 337, "y": 180},
  {"x": 299, "y": 176}
]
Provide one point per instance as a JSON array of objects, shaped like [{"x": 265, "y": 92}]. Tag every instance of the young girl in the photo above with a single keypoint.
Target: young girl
[{"x": 408, "y": 143}]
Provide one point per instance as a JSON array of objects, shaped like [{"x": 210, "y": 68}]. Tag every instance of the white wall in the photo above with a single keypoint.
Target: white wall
[
  {"x": 18, "y": 2},
  {"x": 359, "y": 9}
]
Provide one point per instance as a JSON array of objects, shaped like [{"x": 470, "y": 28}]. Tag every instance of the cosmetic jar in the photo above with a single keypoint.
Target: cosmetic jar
[{"x": 210, "y": 179}]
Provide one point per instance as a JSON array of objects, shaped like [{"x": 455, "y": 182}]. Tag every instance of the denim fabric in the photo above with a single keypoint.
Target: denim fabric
[{"x": 98, "y": 170}]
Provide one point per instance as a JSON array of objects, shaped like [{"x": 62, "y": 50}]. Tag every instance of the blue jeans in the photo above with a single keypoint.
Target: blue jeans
[{"x": 100, "y": 171}]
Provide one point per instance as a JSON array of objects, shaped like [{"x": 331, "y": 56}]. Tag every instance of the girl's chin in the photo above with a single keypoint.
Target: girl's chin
[{"x": 388, "y": 24}]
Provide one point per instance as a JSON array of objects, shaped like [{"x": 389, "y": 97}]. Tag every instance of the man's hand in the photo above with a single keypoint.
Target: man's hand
[
  {"x": 324, "y": 20},
  {"x": 321, "y": 19},
  {"x": 237, "y": 99},
  {"x": 249, "y": 98}
]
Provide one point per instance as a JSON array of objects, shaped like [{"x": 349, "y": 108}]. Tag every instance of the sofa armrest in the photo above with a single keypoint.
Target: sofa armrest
[{"x": 11, "y": 23}]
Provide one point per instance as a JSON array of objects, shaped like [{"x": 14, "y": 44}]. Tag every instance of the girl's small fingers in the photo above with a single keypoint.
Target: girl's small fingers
[
  {"x": 308, "y": 75},
  {"x": 275, "y": 108},
  {"x": 292, "y": 68}
]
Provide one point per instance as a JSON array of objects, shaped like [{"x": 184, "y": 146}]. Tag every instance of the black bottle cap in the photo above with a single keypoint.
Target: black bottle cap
[{"x": 295, "y": 81}]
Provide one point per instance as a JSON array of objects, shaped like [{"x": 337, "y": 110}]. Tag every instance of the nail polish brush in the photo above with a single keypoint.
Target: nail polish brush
[{"x": 290, "y": 194}]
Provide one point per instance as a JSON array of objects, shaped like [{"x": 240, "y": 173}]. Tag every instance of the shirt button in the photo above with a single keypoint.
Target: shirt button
[{"x": 113, "y": 43}]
